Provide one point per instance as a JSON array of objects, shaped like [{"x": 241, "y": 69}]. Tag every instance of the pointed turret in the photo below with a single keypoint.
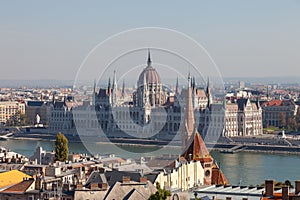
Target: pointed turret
[
  {"x": 177, "y": 87},
  {"x": 93, "y": 100},
  {"x": 115, "y": 89},
  {"x": 257, "y": 102},
  {"x": 208, "y": 93},
  {"x": 189, "y": 120},
  {"x": 108, "y": 85},
  {"x": 94, "y": 87},
  {"x": 194, "y": 84},
  {"x": 123, "y": 89}
]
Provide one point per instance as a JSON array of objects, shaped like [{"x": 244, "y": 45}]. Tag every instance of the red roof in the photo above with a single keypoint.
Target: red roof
[
  {"x": 19, "y": 187},
  {"x": 273, "y": 103},
  {"x": 218, "y": 178},
  {"x": 197, "y": 149}
]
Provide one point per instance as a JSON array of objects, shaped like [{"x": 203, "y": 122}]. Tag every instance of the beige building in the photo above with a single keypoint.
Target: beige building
[
  {"x": 275, "y": 110},
  {"x": 241, "y": 118},
  {"x": 9, "y": 110},
  {"x": 184, "y": 176}
]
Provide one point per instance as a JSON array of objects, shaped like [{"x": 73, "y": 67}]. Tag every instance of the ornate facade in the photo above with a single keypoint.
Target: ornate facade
[{"x": 155, "y": 112}]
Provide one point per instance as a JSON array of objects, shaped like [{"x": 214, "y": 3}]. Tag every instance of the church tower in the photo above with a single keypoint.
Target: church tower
[{"x": 189, "y": 121}]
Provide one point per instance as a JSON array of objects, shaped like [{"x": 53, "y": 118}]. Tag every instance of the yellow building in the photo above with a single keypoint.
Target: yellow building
[
  {"x": 9, "y": 110},
  {"x": 11, "y": 177}
]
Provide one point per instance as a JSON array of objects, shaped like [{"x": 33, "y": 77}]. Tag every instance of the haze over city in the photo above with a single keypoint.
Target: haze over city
[{"x": 49, "y": 40}]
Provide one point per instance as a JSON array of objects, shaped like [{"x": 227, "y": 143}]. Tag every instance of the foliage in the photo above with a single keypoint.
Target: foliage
[
  {"x": 161, "y": 194},
  {"x": 61, "y": 147},
  {"x": 282, "y": 116},
  {"x": 19, "y": 119},
  {"x": 281, "y": 184}
]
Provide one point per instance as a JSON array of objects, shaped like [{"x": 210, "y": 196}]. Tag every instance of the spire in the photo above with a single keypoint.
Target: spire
[
  {"x": 208, "y": 93},
  {"x": 189, "y": 120},
  {"x": 177, "y": 87},
  {"x": 207, "y": 87},
  {"x": 94, "y": 94},
  {"x": 149, "y": 58},
  {"x": 108, "y": 85},
  {"x": 115, "y": 89},
  {"x": 94, "y": 88},
  {"x": 123, "y": 89},
  {"x": 257, "y": 102},
  {"x": 115, "y": 79},
  {"x": 189, "y": 80},
  {"x": 194, "y": 83}
]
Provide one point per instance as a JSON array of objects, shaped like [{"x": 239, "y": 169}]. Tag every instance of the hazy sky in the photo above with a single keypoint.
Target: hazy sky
[{"x": 49, "y": 40}]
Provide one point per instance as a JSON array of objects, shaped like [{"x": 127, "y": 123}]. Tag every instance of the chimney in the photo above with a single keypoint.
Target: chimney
[
  {"x": 79, "y": 186},
  {"x": 126, "y": 179},
  {"x": 285, "y": 193},
  {"x": 143, "y": 179},
  {"x": 94, "y": 186},
  {"x": 297, "y": 187},
  {"x": 269, "y": 188},
  {"x": 104, "y": 186},
  {"x": 101, "y": 170}
]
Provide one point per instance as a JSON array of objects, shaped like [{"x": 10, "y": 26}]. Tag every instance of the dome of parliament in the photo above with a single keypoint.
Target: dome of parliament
[{"x": 149, "y": 74}]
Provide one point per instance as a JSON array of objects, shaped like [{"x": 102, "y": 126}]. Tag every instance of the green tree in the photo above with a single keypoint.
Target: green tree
[
  {"x": 160, "y": 194},
  {"x": 288, "y": 183},
  {"x": 61, "y": 147},
  {"x": 21, "y": 117}
]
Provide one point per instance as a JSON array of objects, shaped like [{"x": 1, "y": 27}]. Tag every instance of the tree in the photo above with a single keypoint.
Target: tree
[
  {"x": 61, "y": 147},
  {"x": 282, "y": 116},
  {"x": 292, "y": 124},
  {"x": 288, "y": 183},
  {"x": 160, "y": 194}
]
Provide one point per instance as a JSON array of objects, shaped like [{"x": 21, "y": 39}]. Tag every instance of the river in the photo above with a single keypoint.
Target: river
[{"x": 245, "y": 168}]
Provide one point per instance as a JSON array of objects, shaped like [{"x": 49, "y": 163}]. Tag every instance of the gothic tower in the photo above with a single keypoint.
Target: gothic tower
[{"x": 189, "y": 121}]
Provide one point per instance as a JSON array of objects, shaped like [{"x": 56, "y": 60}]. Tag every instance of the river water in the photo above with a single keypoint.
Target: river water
[{"x": 245, "y": 168}]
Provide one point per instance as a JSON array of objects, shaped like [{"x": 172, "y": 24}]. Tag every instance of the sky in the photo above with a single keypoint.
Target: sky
[{"x": 50, "y": 39}]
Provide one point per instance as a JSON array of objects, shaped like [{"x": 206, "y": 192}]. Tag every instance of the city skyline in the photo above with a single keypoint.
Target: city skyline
[{"x": 48, "y": 41}]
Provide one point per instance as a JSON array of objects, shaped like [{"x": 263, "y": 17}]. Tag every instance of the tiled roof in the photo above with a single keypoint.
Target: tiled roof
[
  {"x": 273, "y": 103},
  {"x": 19, "y": 187},
  {"x": 125, "y": 191},
  {"x": 197, "y": 149},
  {"x": 96, "y": 177},
  {"x": 12, "y": 177},
  {"x": 218, "y": 178},
  {"x": 114, "y": 176}
]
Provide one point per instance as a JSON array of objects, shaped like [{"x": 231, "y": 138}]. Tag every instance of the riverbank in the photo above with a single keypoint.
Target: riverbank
[
  {"x": 274, "y": 149},
  {"x": 263, "y": 145}
]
